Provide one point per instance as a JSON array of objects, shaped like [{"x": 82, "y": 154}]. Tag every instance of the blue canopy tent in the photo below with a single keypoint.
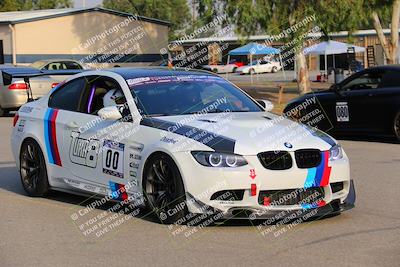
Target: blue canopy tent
[{"x": 255, "y": 49}]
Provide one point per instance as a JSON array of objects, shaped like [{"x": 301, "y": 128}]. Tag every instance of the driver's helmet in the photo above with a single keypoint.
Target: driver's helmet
[{"x": 110, "y": 97}]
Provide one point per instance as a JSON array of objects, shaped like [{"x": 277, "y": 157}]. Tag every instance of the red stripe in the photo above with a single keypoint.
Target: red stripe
[
  {"x": 327, "y": 170},
  {"x": 122, "y": 191},
  {"x": 56, "y": 155}
]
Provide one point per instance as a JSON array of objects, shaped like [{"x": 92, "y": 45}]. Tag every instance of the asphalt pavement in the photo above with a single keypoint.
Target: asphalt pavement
[{"x": 43, "y": 232}]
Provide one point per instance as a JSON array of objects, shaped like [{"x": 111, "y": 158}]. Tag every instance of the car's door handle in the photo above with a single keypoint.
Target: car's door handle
[{"x": 72, "y": 125}]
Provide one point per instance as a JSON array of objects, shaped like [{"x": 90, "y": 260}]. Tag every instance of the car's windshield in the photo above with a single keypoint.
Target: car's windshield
[{"x": 177, "y": 95}]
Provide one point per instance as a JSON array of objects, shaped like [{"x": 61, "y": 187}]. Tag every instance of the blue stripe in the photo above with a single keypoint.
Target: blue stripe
[
  {"x": 310, "y": 177},
  {"x": 47, "y": 136}
]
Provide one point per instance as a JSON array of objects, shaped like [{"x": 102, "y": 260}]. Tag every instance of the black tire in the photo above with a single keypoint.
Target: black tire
[
  {"x": 234, "y": 69},
  {"x": 215, "y": 70},
  {"x": 274, "y": 69},
  {"x": 163, "y": 189},
  {"x": 2, "y": 112},
  {"x": 252, "y": 72},
  {"x": 32, "y": 169},
  {"x": 396, "y": 126}
]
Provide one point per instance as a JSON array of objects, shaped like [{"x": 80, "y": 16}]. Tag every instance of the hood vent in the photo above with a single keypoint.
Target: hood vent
[{"x": 209, "y": 121}]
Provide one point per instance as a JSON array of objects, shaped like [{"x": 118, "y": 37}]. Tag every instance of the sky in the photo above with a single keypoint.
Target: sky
[{"x": 87, "y": 3}]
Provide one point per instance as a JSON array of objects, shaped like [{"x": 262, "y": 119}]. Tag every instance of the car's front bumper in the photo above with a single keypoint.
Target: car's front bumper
[{"x": 202, "y": 183}]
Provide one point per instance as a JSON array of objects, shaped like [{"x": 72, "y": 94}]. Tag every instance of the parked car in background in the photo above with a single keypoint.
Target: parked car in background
[
  {"x": 367, "y": 103},
  {"x": 221, "y": 68},
  {"x": 13, "y": 89},
  {"x": 260, "y": 66},
  {"x": 57, "y": 64}
]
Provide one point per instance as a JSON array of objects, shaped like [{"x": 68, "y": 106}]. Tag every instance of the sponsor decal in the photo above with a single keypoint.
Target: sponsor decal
[
  {"x": 318, "y": 204},
  {"x": 50, "y": 136},
  {"x": 342, "y": 112},
  {"x": 118, "y": 191},
  {"x": 25, "y": 109},
  {"x": 113, "y": 158},
  {"x": 83, "y": 151},
  {"x": 319, "y": 176},
  {"x": 168, "y": 140},
  {"x": 21, "y": 126}
]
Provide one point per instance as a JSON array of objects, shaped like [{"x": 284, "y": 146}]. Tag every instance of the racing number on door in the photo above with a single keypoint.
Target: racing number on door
[
  {"x": 113, "y": 158},
  {"x": 342, "y": 111}
]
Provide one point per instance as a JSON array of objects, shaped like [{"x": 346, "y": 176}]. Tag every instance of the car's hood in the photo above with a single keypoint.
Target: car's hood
[{"x": 253, "y": 132}]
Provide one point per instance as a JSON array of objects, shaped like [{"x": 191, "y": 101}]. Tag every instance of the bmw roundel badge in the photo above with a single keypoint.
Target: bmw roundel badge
[{"x": 288, "y": 145}]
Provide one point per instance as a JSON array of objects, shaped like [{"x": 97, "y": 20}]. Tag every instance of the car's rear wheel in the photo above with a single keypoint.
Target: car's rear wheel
[
  {"x": 396, "y": 125},
  {"x": 274, "y": 69},
  {"x": 33, "y": 169},
  {"x": 252, "y": 71},
  {"x": 234, "y": 69},
  {"x": 163, "y": 189}
]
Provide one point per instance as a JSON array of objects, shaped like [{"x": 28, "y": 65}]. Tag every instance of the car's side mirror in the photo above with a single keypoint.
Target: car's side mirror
[
  {"x": 111, "y": 113},
  {"x": 266, "y": 104}
]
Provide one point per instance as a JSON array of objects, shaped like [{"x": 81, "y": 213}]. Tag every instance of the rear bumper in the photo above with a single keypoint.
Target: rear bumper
[{"x": 12, "y": 99}]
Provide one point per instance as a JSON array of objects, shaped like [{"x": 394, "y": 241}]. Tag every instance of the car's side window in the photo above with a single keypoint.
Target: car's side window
[
  {"x": 68, "y": 96},
  {"x": 70, "y": 65},
  {"x": 370, "y": 80},
  {"x": 391, "y": 79},
  {"x": 102, "y": 91}
]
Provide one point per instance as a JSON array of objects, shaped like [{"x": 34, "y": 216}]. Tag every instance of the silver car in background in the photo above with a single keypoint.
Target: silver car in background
[
  {"x": 57, "y": 64},
  {"x": 13, "y": 88}
]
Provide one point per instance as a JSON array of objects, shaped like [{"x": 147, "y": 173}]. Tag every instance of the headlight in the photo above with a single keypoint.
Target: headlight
[
  {"x": 335, "y": 152},
  {"x": 216, "y": 159}
]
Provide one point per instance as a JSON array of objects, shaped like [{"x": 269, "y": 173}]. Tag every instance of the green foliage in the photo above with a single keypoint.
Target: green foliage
[
  {"x": 175, "y": 11},
  {"x": 18, "y": 5}
]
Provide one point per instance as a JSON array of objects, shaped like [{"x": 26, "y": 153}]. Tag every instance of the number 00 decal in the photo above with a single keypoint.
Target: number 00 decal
[
  {"x": 113, "y": 158},
  {"x": 342, "y": 111}
]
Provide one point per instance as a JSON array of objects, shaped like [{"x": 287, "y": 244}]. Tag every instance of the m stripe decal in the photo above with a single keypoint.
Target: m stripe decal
[
  {"x": 319, "y": 176},
  {"x": 217, "y": 142},
  {"x": 50, "y": 135}
]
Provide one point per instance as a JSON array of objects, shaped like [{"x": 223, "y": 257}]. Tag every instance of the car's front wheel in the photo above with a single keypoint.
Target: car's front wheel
[
  {"x": 33, "y": 169},
  {"x": 163, "y": 189},
  {"x": 274, "y": 69},
  {"x": 396, "y": 125},
  {"x": 252, "y": 71}
]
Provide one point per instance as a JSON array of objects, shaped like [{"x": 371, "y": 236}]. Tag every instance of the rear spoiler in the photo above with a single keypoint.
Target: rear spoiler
[{"x": 26, "y": 73}]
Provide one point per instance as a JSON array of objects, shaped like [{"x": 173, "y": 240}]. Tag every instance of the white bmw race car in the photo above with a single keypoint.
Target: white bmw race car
[{"x": 181, "y": 142}]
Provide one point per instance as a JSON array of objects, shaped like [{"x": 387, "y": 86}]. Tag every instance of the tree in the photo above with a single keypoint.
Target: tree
[
  {"x": 380, "y": 11},
  {"x": 175, "y": 11},
  {"x": 18, "y": 5}
]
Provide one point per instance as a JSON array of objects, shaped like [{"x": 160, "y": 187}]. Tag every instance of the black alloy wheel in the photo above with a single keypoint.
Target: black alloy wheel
[{"x": 33, "y": 169}]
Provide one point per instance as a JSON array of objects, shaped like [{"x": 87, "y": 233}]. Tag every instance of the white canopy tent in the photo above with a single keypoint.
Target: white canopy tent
[{"x": 331, "y": 48}]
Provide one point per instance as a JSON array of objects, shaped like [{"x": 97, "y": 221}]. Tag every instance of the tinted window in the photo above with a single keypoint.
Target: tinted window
[
  {"x": 371, "y": 80},
  {"x": 391, "y": 79},
  {"x": 68, "y": 97},
  {"x": 70, "y": 65}
]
